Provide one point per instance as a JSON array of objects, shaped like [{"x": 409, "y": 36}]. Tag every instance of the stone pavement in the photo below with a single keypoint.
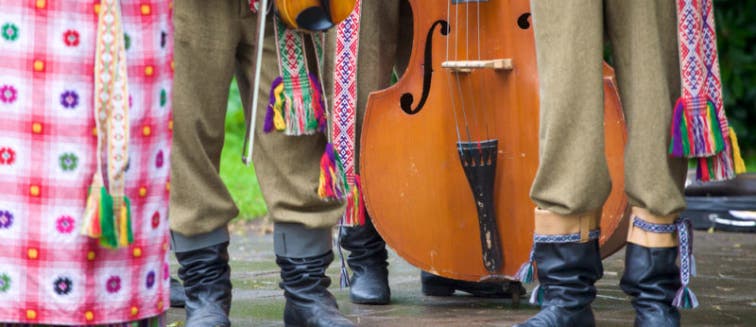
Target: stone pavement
[{"x": 725, "y": 286}]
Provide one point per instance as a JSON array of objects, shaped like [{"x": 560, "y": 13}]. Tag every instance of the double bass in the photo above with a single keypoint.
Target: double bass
[{"x": 449, "y": 152}]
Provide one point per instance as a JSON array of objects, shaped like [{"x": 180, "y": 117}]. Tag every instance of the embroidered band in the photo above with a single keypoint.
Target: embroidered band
[
  {"x": 525, "y": 273},
  {"x": 567, "y": 238},
  {"x": 654, "y": 228}
]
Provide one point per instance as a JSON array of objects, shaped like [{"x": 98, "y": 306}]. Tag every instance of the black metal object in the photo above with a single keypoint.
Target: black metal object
[
  {"x": 725, "y": 205},
  {"x": 479, "y": 163}
]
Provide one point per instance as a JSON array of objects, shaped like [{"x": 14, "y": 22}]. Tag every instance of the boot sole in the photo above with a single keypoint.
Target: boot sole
[{"x": 437, "y": 290}]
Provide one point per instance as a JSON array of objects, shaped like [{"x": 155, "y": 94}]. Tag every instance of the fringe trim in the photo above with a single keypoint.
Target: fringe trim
[
  {"x": 685, "y": 298},
  {"x": 108, "y": 220},
  {"x": 333, "y": 183},
  {"x": 536, "y": 296},
  {"x": 355, "y": 205},
  {"x": 296, "y": 115},
  {"x": 696, "y": 129},
  {"x": 737, "y": 158}
]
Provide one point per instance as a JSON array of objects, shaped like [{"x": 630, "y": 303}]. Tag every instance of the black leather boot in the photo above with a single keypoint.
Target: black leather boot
[
  {"x": 652, "y": 278},
  {"x": 367, "y": 259},
  {"x": 178, "y": 297},
  {"x": 434, "y": 285},
  {"x": 305, "y": 285},
  {"x": 566, "y": 273},
  {"x": 207, "y": 284}
]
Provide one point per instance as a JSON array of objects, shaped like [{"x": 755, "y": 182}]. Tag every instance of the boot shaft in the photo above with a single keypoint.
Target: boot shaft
[
  {"x": 207, "y": 285},
  {"x": 567, "y": 273},
  {"x": 651, "y": 277},
  {"x": 305, "y": 285}
]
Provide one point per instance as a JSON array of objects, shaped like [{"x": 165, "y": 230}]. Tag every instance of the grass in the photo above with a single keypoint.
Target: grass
[{"x": 240, "y": 179}]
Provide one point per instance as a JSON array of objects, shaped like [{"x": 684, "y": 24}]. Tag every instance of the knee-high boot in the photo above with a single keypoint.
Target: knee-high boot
[
  {"x": 367, "y": 259},
  {"x": 567, "y": 273},
  {"x": 207, "y": 284},
  {"x": 308, "y": 301},
  {"x": 652, "y": 278}
]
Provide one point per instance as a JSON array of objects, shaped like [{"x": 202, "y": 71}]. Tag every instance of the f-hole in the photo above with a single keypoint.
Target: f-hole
[{"x": 408, "y": 99}]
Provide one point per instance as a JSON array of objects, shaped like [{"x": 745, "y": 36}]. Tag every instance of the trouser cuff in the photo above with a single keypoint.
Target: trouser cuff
[
  {"x": 293, "y": 240},
  {"x": 181, "y": 243},
  {"x": 652, "y": 231},
  {"x": 584, "y": 225}
]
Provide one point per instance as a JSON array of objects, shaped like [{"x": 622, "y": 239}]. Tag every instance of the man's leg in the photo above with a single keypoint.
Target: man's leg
[
  {"x": 644, "y": 39},
  {"x": 200, "y": 205},
  {"x": 572, "y": 181},
  {"x": 287, "y": 169}
]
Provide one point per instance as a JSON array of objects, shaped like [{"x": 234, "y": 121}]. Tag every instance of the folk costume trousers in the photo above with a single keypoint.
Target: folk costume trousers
[
  {"x": 572, "y": 182},
  {"x": 214, "y": 43}
]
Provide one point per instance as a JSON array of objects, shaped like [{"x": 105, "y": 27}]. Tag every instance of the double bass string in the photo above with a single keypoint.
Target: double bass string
[{"x": 453, "y": 106}]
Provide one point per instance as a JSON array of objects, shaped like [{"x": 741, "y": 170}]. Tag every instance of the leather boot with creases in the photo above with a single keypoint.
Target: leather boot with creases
[
  {"x": 207, "y": 285},
  {"x": 368, "y": 262},
  {"x": 567, "y": 273},
  {"x": 178, "y": 297},
  {"x": 308, "y": 301},
  {"x": 652, "y": 278},
  {"x": 434, "y": 285}
]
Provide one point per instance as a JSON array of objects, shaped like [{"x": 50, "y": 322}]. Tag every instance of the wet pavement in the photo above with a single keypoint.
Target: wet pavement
[{"x": 725, "y": 286}]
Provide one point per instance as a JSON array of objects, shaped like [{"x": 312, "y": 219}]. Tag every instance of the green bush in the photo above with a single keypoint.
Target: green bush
[{"x": 736, "y": 31}]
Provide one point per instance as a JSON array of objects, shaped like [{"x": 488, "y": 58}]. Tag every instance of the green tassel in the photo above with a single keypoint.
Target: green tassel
[
  {"x": 129, "y": 231},
  {"x": 109, "y": 237}
]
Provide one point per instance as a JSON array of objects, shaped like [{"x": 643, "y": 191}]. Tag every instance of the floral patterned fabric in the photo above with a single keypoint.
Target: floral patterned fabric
[{"x": 49, "y": 272}]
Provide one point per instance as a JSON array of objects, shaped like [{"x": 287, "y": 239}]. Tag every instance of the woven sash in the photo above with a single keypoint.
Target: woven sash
[
  {"x": 699, "y": 128},
  {"x": 297, "y": 106},
  {"x": 107, "y": 215}
]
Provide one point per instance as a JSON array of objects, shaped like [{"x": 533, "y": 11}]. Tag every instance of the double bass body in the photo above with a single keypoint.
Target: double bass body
[{"x": 414, "y": 184}]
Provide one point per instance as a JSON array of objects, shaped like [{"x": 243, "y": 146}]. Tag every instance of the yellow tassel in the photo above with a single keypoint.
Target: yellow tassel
[
  {"x": 92, "y": 214},
  {"x": 278, "y": 119},
  {"x": 737, "y": 158},
  {"x": 322, "y": 185},
  {"x": 123, "y": 231}
]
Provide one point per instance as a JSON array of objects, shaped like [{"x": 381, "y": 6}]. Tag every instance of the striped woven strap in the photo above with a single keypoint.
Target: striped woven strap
[
  {"x": 345, "y": 90},
  {"x": 107, "y": 213},
  {"x": 111, "y": 101}
]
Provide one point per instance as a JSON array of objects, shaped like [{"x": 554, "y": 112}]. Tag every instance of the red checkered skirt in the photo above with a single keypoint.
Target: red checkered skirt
[{"x": 49, "y": 272}]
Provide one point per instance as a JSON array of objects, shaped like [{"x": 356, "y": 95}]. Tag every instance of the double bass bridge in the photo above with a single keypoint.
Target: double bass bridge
[{"x": 468, "y": 66}]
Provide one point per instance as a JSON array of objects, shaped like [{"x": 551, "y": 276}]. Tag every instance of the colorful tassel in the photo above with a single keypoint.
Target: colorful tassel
[
  {"x": 274, "y": 115},
  {"x": 272, "y": 99},
  {"x": 685, "y": 299},
  {"x": 91, "y": 216},
  {"x": 332, "y": 183},
  {"x": 355, "y": 205},
  {"x": 111, "y": 226},
  {"x": 536, "y": 297},
  {"x": 525, "y": 273},
  {"x": 318, "y": 103},
  {"x": 696, "y": 129},
  {"x": 737, "y": 158}
]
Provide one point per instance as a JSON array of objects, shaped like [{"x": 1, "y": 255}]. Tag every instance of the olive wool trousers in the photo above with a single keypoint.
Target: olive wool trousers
[{"x": 572, "y": 178}]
